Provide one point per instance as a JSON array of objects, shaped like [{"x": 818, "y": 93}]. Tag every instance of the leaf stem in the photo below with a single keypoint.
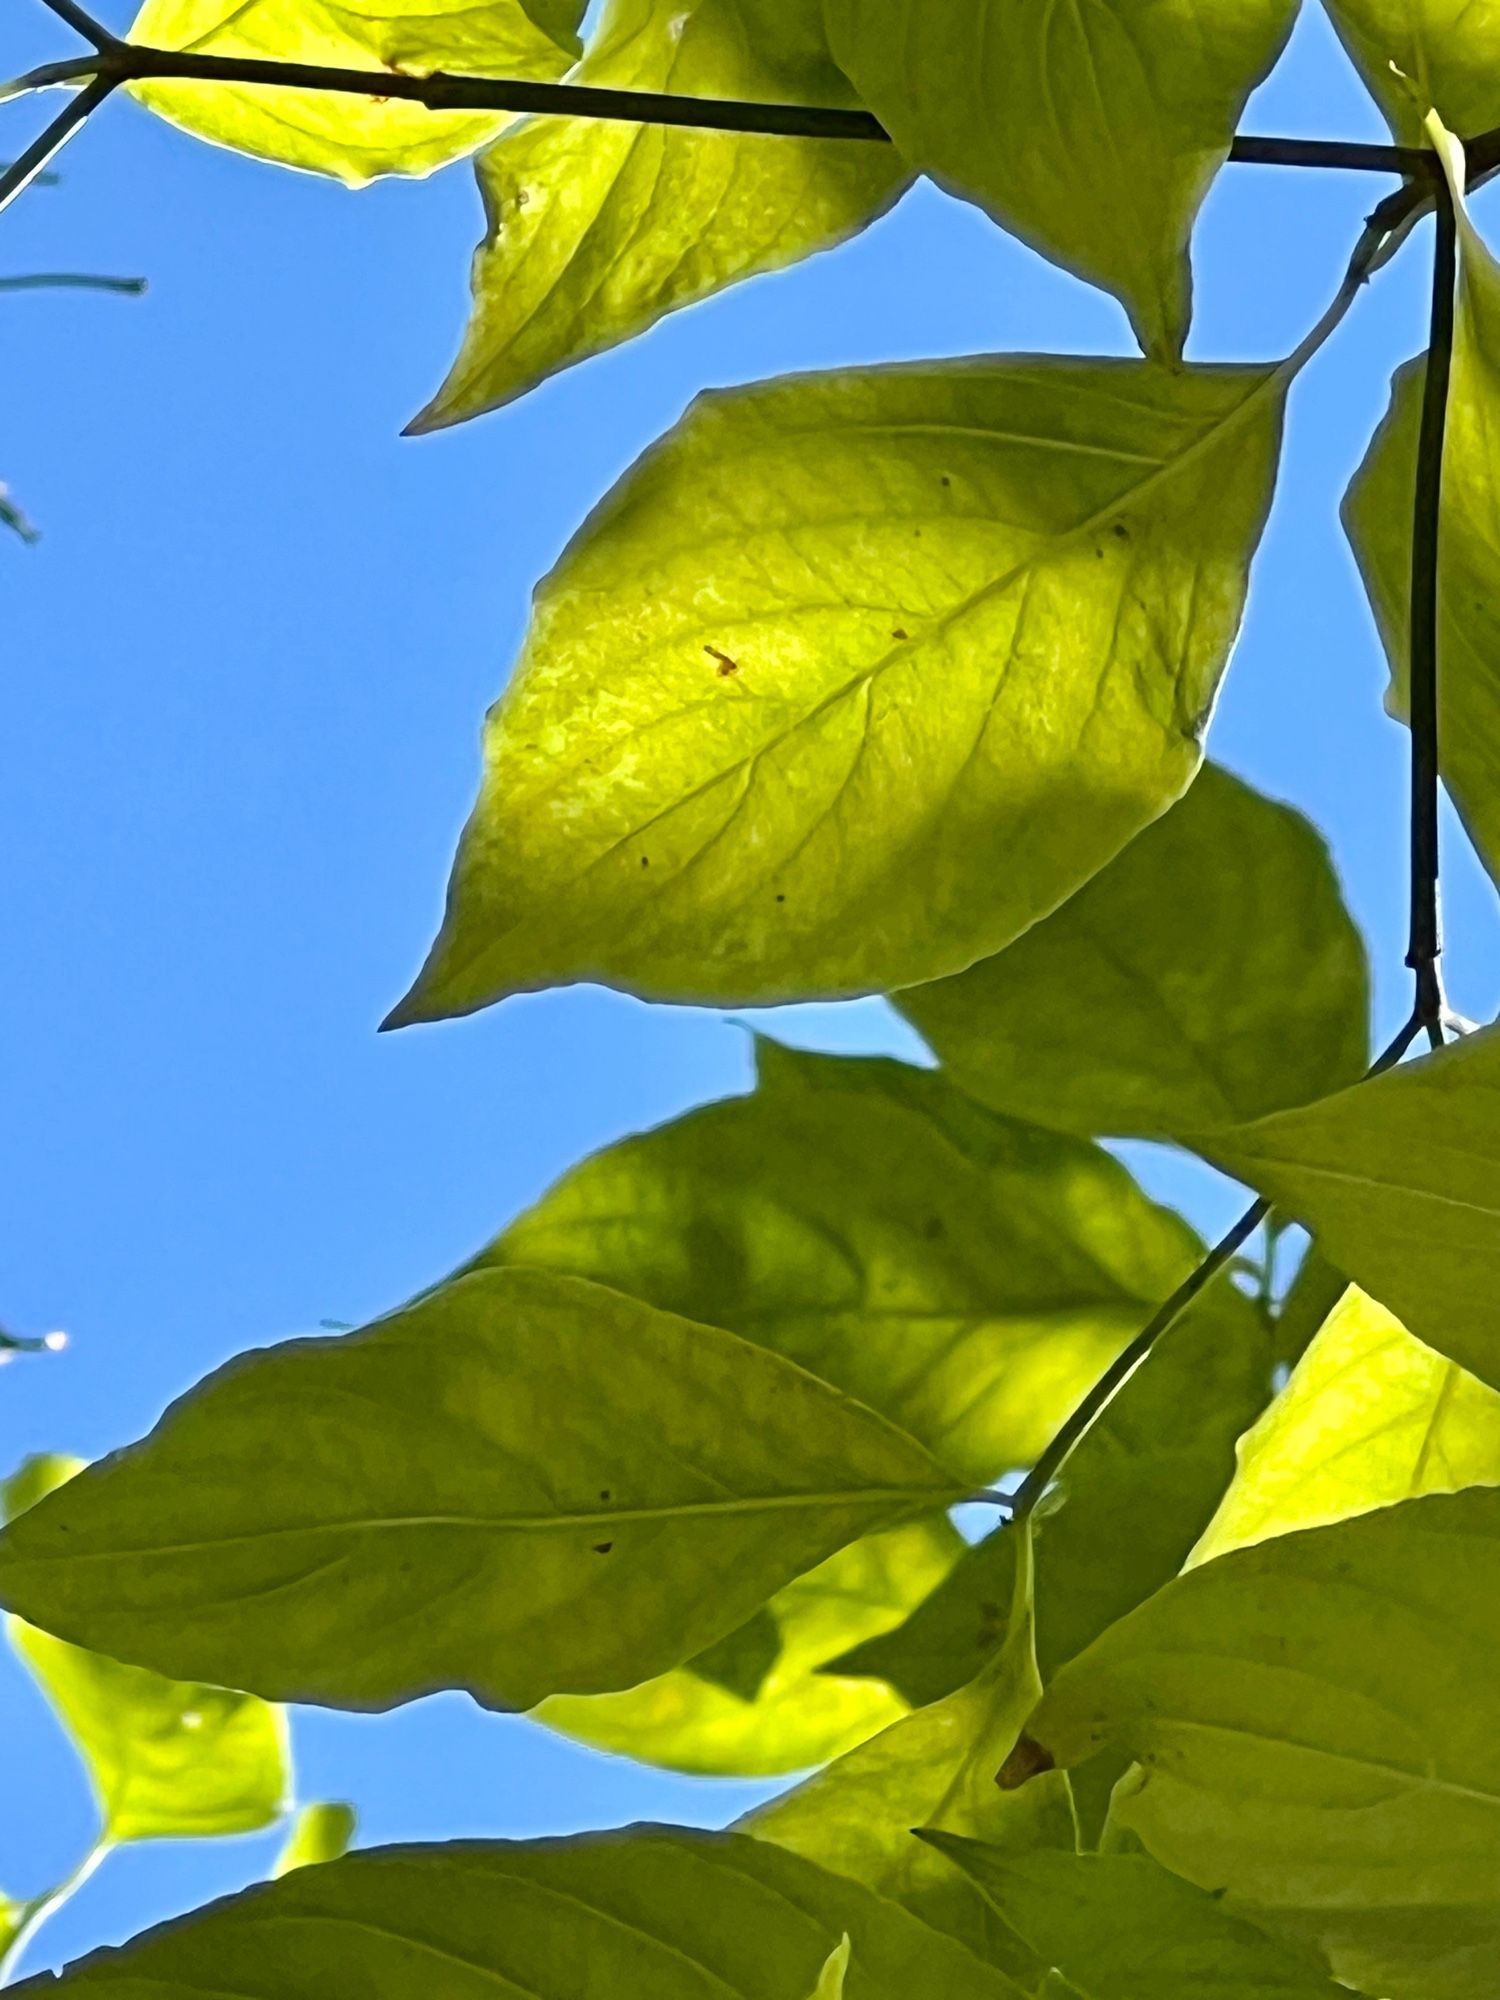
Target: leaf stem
[
  {"x": 35, "y": 1913},
  {"x": 19, "y": 175}
]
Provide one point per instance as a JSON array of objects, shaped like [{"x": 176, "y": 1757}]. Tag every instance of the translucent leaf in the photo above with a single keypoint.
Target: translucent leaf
[
  {"x": 1155, "y": 1014},
  {"x": 830, "y": 1984},
  {"x": 521, "y": 1485},
  {"x": 166, "y": 1759},
  {"x": 963, "y": 1274},
  {"x": 783, "y": 1714},
  {"x": 965, "y": 626},
  {"x": 330, "y": 132},
  {"x": 1378, "y": 519},
  {"x": 1447, "y": 53},
  {"x": 1092, "y": 130},
  {"x": 595, "y": 230},
  {"x": 1121, "y": 1928},
  {"x": 319, "y": 1833},
  {"x": 1370, "y": 1417},
  {"x": 1399, "y": 1179},
  {"x": 654, "y": 1912},
  {"x": 935, "y": 1769},
  {"x": 1319, "y": 1734}
]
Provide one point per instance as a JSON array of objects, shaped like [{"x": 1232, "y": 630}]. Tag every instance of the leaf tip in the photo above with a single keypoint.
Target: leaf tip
[{"x": 1028, "y": 1760}]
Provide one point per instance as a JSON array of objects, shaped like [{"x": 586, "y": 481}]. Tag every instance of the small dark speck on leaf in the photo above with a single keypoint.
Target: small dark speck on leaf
[
  {"x": 900, "y": 632},
  {"x": 645, "y": 860},
  {"x": 781, "y": 899},
  {"x": 602, "y": 1548},
  {"x": 946, "y": 480},
  {"x": 1122, "y": 531},
  {"x": 727, "y": 666},
  {"x": 604, "y": 1493}
]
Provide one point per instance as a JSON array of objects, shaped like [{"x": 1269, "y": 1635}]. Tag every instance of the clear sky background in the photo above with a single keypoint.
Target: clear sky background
[{"x": 243, "y": 679}]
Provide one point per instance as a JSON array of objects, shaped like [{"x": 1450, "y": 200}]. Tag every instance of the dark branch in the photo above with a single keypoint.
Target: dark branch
[
  {"x": 19, "y": 175},
  {"x": 78, "y": 281},
  {"x": 83, "y": 23}
]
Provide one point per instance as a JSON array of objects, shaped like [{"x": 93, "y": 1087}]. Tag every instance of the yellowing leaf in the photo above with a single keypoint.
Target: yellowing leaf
[
  {"x": 758, "y": 1705},
  {"x": 1091, "y": 128},
  {"x": 1319, "y": 1734},
  {"x": 1419, "y": 53},
  {"x": 965, "y": 1275},
  {"x": 964, "y": 627},
  {"x": 935, "y": 1769},
  {"x": 521, "y": 1485},
  {"x": 1378, "y": 519},
  {"x": 1369, "y": 1417},
  {"x": 1399, "y": 1178},
  {"x": 1160, "y": 1011},
  {"x": 354, "y": 138},
  {"x": 319, "y": 1833},
  {"x": 596, "y": 230},
  {"x": 654, "y": 1912},
  {"x": 166, "y": 1759}
]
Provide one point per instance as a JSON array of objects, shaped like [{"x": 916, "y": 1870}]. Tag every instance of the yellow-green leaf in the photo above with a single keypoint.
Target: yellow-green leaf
[
  {"x": 935, "y": 1769},
  {"x": 319, "y": 1833},
  {"x": 166, "y": 1759},
  {"x": 1370, "y": 1416},
  {"x": 521, "y": 1485},
  {"x": 1378, "y": 518},
  {"x": 757, "y": 1705},
  {"x": 1318, "y": 1730},
  {"x": 1092, "y": 129},
  {"x": 1399, "y": 1179},
  {"x": 654, "y": 1912},
  {"x": 596, "y": 230},
  {"x": 332, "y": 132},
  {"x": 1157, "y": 1014},
  {"x": 965, "y": 1275},
  {"x": 831, "y": 1979},
  {"x": 856, "y": 676},
  {"x": 1419, "y": 53}
]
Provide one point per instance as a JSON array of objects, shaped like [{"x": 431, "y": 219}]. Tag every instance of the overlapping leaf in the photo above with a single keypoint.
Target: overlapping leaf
[
  {"x": 1092, "y": 129},
  {"x": 963, "y": 1274},
  {"x": 522, "y": 1485},
  {"x": 1419, "y": 53},
  {"x": 1370, "y": 1416},
  {"x": 757, "y": 1704},
  {"x": 1318, "y": 1728},
  {"x": 856, "y": 676},
  {"x": 332, "y": 132},
  {"x": 320, "y": 1833},
  {"x": 166, "y": 1759},
  {"x": 1378, "y": 518},
  {"x": 1400, "y": 1180},
  {"x": 655, "y": 1913},
  {"x": 1209, "y": 974},
  {"x": 594, "y": 230}
]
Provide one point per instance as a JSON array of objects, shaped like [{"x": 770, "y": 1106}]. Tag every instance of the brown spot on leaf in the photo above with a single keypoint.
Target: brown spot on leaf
[
  {"x": 1121, "y": 531},
  {"x": 727, "y": 666},
  {"x": 1027, "y": 1761},
  {"x": 900, "y": 632},
  {"x": 602, "y": 1548}
]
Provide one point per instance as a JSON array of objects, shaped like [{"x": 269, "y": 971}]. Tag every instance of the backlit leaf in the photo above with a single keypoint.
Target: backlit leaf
[
  {"x": 1092, "y": 129},
  {"x": 166, "y": 1759},
  {"x": 319, "y": 1833},
  {"x": 830, "y": 1984},
  {"x": 654, "y": 1912},
  {"x": 521, "y": 1485},
  {"x": 963, "y": 631},
  {"x": 783, "y": 1714},
  {"x": 963, "y": 1274},
  {"x": 1319, "y": 1733},
  {"x": 595, "y": 230},
  {"x": 1417, "y": 53},
  {"x": 1370, "y": 1417},
  {"x": 353, "y": 138},
  {"x": 1400, "y": 1180},
  {"x": 1158, "y": 1011}
]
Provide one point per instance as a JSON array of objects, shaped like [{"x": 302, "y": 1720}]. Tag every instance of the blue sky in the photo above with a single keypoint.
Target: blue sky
[{"x": 244, "y": 673}]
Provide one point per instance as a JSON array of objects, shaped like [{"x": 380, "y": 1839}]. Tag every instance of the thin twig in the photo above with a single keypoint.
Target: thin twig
[
  {"x": 1426, "y": 940},
  {"x": 82, "y": 281},
  {"x": 19, "y": 175},
  {"x": 51, "y": 76}
]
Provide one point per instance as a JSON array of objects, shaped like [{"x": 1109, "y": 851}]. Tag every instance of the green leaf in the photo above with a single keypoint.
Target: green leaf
[
  {"x": 1419, "y": 53},
  {"x": 1319, "y": 1734},
  {"x": 1399, "y": 1178},
  {"x": 783, "y": 1714},
  {"x": 594, "y": 231},
  {"x": 168, "y": 1760},
  {"x": 653, "y": 1912},
  {"x": 354, "y": 138},
  {"x": 1121, "y": 1928},
  {"x": 1092, "y": 131},
  {"x": 831, "y": 1979},
  {"x": 521, "y": 1485},
  {"x": 1377, "y": 516},
  {"x": 965, "y": 1275},
  {"x": 1310, "y": 1298},
  {"x": 1156, "y": 1015},
  {"x": 319, "y": 1833},
  {"x": 965, "y": 627},
  {"x": 1370, "y": 1417},
  {"x": 935, "y": 1769}
]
